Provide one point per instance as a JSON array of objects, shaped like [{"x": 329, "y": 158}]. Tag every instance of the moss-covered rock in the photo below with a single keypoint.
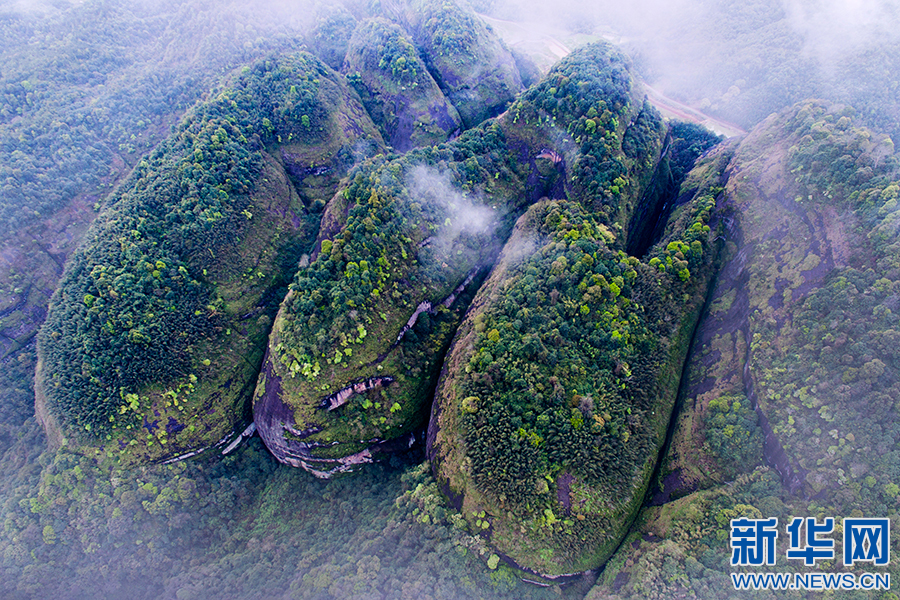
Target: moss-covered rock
[
  {"x": 799, "y": 323},
  {"x": 358, "y": 341},
  {"x": 555, "y": 398}
]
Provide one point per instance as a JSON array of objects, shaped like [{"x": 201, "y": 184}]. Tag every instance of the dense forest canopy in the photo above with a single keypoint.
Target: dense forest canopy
[
  {"x": 416, "y": 236},
  {"x": 578, "y": 400},
  {"x": 372, "y": 184}
]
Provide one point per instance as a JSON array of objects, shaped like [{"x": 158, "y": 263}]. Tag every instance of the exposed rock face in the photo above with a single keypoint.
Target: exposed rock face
[
  {"x": 160, "y": 322},
  {"x": 291, "y": 446},
  {"x": 397, "y": 88},
  {"x": 426, "y": 70},
  {"x": 340, "y": 398},
  {"x": 356, "y": 345},
  {"x": 792, "y": 352},
  {"x": 794, "y": 371},
  {"x": 304, "y": 423}
]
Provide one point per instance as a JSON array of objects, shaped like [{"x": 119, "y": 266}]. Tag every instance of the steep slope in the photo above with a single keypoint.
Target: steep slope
[
  {"x": 396, "y": 87},
  {"x": 356, "y": 347},
  {"x": 158, "y": 326},
  {"x": 800, "y": 319},
  {"x": 426, "y": 70},
  {"x": 87, "y": 90}
]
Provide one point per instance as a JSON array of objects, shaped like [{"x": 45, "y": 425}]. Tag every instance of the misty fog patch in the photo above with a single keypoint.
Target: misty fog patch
[{"x": 461, "y": 219}]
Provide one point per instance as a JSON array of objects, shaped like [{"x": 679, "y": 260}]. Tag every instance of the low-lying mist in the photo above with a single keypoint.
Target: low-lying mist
[{"x": 459, "y": 214}]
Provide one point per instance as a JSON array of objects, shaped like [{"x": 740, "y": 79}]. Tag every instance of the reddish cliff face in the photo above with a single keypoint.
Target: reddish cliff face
[{"x": 790, "y": 398}]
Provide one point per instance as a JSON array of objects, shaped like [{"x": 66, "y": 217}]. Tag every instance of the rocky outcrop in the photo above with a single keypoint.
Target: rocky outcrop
[
  {"x": 249, "y": 431},
  {"x": 793, "y": 375},
  {"x": 557, "y": 391},
  {"x": 341, "y": 397},
  {"x": 559, "y": 453},
  {"x": 293, "y": 446},
  {"x": 427, "y": 307},
  {"x": 383, "y": 408}
]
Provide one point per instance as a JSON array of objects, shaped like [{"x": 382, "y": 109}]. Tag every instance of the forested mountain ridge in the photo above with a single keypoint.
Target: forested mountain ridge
[
  {"x": 425, "y": 69},
  {"x": 88, "y": 89},
  {"x": 154, "y": 336},
  {"x": 401, "y": 250},
  {"x": 112, "y": 351},
  {"x": 470, "y": 63},
  {"x": 555, "y": 397},
  {"x": 408, "y": 238},
  {"x": 160, "y": 316},
  {"x": 358, "y": 343}
]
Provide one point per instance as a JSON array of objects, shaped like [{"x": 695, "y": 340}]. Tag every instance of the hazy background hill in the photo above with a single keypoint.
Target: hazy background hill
[{"x": 739, "y": 62}]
